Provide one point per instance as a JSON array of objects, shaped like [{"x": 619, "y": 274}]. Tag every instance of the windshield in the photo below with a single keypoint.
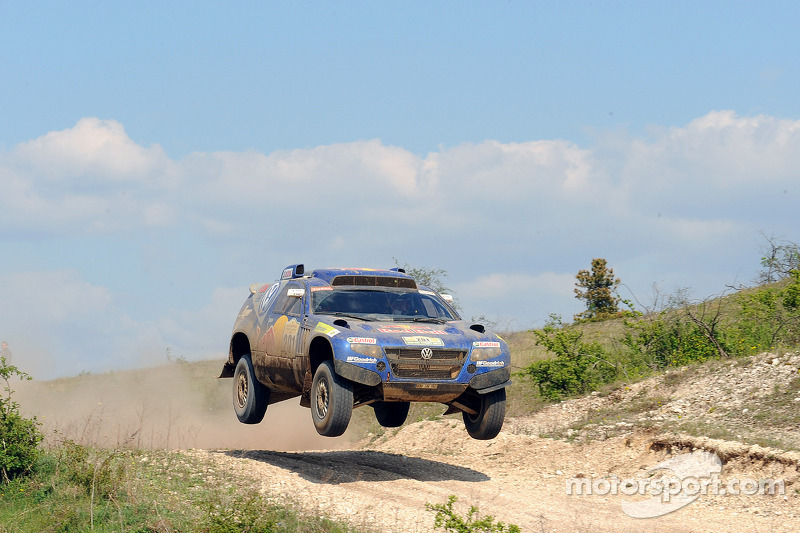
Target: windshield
[{"x": 381, "y": 304}]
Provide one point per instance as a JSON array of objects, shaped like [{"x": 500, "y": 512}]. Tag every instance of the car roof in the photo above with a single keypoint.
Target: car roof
[{"x": 352, "y": 276}]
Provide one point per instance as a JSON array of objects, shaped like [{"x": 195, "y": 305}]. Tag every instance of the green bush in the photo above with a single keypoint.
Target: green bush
[
  {"x": 19, "y": 436},
  {"x": 769, "y": 317},
  {"x": 238, "y": 513},
  {"x": 577, "y": 367},
  {"x": 100, "y": 473},
  {"x": 449, "y": 520},
  {"x": 668, "y": 339}
]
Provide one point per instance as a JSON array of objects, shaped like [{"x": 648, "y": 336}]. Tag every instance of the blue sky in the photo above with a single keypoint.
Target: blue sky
[{"x": 158, "y": 157}]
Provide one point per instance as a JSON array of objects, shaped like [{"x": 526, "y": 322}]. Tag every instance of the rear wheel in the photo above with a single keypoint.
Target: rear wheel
[
  {"x": 491, "y": 412},
  {"x": 331, "y": 401},
  {"x": 391, "y": 414},
  {"x": 250, "y": 396}
]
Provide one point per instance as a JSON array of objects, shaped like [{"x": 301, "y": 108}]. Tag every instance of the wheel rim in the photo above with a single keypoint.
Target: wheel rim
[
  {"x": 241, "y": 390},
  {"x": 323, "y": 398},
  {"x": 477, "y": 416}
]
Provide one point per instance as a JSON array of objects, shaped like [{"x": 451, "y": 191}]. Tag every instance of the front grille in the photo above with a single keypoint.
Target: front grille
[{"x": 408, "y": 363}]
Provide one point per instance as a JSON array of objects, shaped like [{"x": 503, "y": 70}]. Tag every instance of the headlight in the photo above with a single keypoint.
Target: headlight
[
  {"x": 484, "y": 350},
  {"x": 370, "y": 350}
]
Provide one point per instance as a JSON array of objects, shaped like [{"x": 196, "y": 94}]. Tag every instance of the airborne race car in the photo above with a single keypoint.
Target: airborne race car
[{"x": 345, "y": 338}]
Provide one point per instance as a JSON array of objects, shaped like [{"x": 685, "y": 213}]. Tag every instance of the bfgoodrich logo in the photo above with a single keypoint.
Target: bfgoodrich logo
[{"x": 673, "y": 484}]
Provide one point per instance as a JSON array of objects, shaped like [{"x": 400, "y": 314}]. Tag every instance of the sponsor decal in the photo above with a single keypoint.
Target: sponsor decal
[
  {"x": 287, "y": 273},
  {"x": 401, "y": 328},
  {"x": 245, "y": 313},
  {"x": 291, "y": 328},
  {"x": 273, "y": 290},
  {"x": 330, "y": 331},
  {"x": 315, "y": 289},
  {"x": 490, "y": 363},
  {"x": 485, "y": 344},
  {"x": 356, "y": 359},
  {"x": 264, "y": 288},
  {"x": 282, "y": 338},
  {"x": 291, "y": 339},
  {"x": 423, "y": 341},
  {"x": 362, "y": 340}
]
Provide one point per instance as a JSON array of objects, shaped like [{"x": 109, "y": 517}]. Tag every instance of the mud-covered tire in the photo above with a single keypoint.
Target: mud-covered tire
[
  {"x": 491, "y": 412},
  {"x": 250, "y": 396},
  {"x": 391, "y": 414},
  {"x": 331, "y": 401}
]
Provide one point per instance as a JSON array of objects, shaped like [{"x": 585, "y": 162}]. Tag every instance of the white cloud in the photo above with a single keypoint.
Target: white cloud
[
  {"x": 105, "y": 181},
  {"x": 501, "y": 285},
  {"x": 514, "y": 172},
  {"x": 89, "y": 178},
  {"x": 518, "y": 299},
  {"x": 94, "y": 150},
  {"x": 717, "y": 165}
]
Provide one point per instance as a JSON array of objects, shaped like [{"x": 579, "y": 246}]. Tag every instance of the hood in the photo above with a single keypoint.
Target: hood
[{"x": 451, "y": 334}]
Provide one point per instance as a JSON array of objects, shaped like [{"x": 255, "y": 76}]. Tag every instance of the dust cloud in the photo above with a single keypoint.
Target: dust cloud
[{"x": 176, "y": 406}]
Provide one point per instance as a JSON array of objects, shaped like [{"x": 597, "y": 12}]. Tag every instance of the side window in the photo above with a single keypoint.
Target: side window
[
  {"x": 286, "y": 305},
  {"x": 434, "y": 309}
]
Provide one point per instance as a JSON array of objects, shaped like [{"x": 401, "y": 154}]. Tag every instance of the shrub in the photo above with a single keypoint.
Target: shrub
[
  {"x": 769, "y": 316},
  {"x": 449, "y": 520},
  {"x": 668, "y": 339},
  {"x": 19, "y": 436},
  {"x": 577, "y": 367}
]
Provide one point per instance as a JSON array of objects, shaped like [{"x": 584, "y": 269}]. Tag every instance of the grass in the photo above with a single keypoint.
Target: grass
[{"x": 77, "y": 488}]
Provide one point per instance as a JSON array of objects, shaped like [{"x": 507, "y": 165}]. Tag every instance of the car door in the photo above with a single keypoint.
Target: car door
[{"x": 285, "y": 339}]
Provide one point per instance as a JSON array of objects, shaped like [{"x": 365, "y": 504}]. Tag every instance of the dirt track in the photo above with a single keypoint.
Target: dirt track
[
  {"x": 519, "y": 477},
  {"x": 516, "y": 478}
]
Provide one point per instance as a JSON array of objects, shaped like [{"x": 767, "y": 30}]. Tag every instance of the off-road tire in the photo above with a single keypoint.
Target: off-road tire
[
  {"x": 331, "y": 401},
  {"x": 391, "y": 414},
  {"x": 491, "y": 412},
  {"x": 250, "y": 396}
]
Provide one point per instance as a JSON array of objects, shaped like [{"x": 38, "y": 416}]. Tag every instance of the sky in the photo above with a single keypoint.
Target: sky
[{"x": 158, "y": 157}]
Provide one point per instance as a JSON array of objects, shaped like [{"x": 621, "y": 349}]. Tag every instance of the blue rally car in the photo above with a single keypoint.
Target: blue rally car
[{"x": 341, "y": 338}]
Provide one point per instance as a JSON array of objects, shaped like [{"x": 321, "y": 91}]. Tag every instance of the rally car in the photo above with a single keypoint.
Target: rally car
[{"x": 341, "y": 338}]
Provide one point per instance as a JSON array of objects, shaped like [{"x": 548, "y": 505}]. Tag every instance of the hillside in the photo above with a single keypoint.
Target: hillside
[{"x": 745, "y": 410}]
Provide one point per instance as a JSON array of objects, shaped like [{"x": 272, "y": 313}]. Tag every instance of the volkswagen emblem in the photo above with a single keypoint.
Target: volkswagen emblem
[{"x": 426, "y": 353}]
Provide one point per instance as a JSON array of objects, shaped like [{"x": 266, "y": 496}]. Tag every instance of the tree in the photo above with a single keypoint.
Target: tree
[
  {"x": 779, "y": 260},
  {"x": 433, "y": 278},
  {"x": 599, "y": 289},
  {"x": 429, "y": 277}
]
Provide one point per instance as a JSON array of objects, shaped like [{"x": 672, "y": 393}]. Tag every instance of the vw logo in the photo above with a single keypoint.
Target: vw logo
[{"x": 426, "y": 353}]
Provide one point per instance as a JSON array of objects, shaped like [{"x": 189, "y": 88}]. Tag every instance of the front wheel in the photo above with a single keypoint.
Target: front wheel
[
  {"x": 391, "y": 414},
  {"x": 492, "y": 411},
  {"x": 250, "y": 396},
  {"x": 331, "y": 401}
]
